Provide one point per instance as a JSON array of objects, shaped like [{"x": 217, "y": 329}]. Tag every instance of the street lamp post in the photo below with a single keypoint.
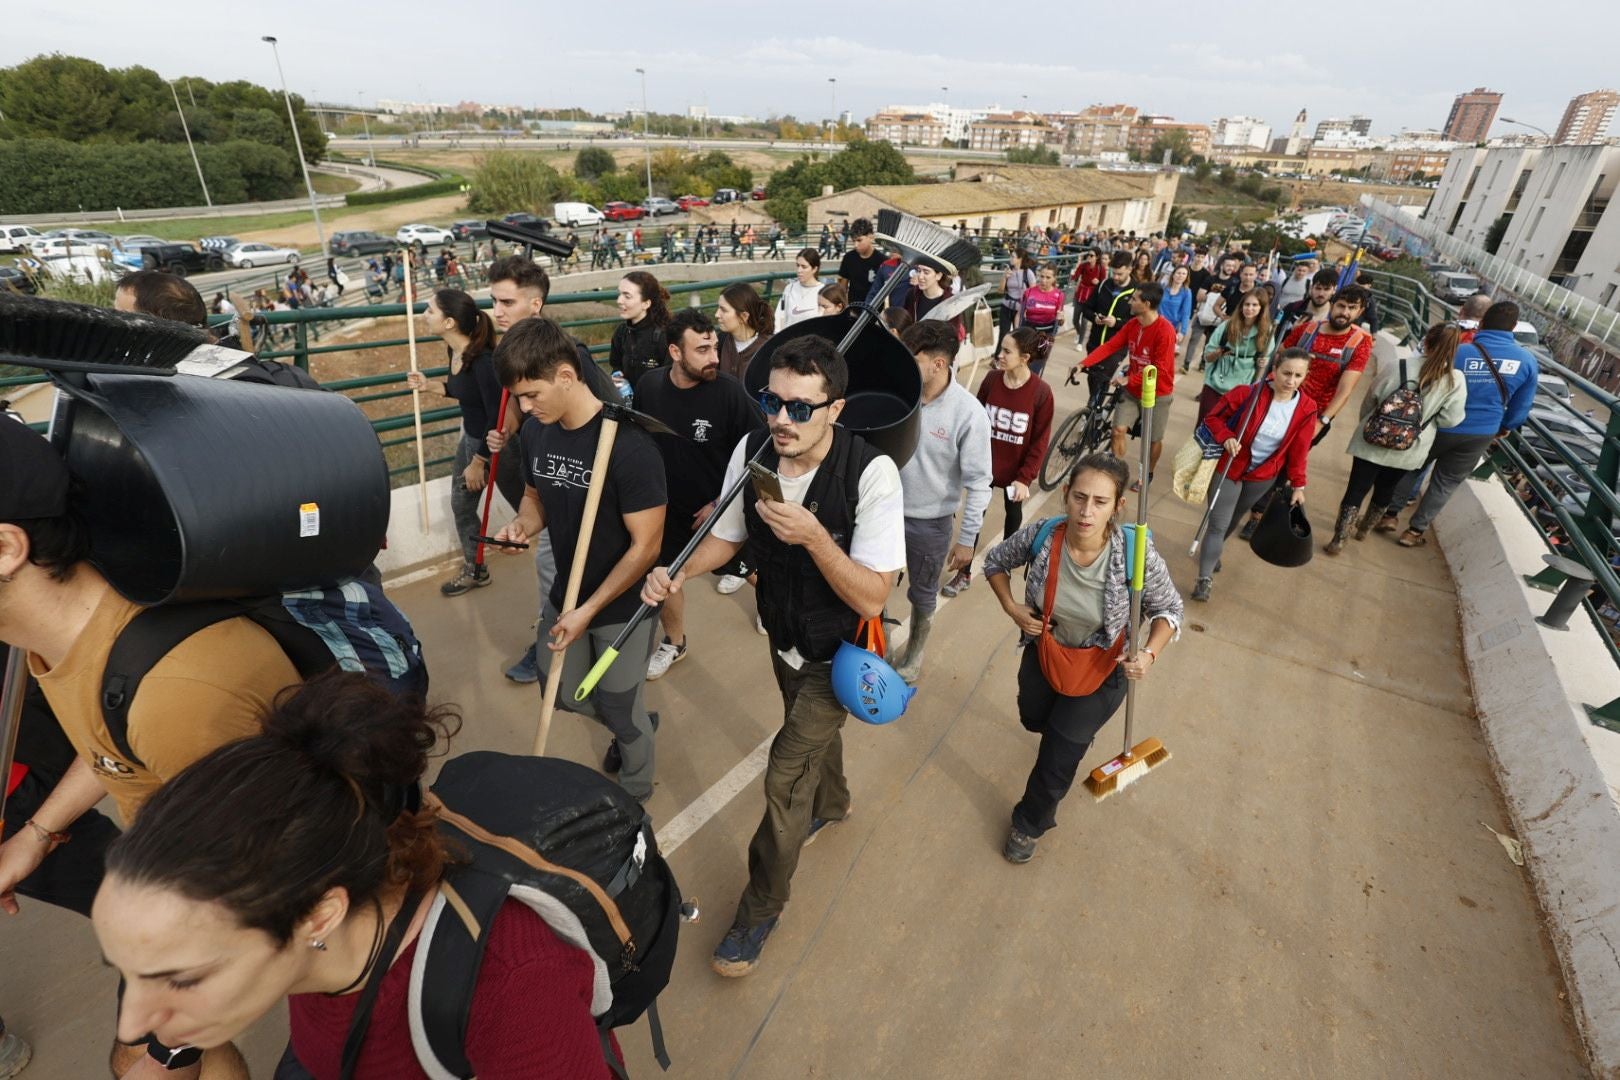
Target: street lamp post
[
  {"x": 298, "y": 144},
  {"x": 1520, "y": 123},
  {"x": 832, "y": 84},
  {"x": 945, "y": 93},
  {"x": 646, "y": 131},
  {"x": 185, "y": 127},
  {"x": 366, "y": 120}
]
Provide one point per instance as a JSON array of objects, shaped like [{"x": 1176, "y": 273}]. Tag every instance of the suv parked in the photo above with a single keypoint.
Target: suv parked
[
  {"x": 622, "y": 211},
  {"x": 180, "y": 259},
  {"x": 360, "y": 243},
  {"x": 658, "y": 206},
  {"x": 469, "y": 229},
  {"x": 725, "y": 195}
]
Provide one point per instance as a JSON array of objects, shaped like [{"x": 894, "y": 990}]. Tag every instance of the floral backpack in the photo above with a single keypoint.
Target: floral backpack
[{"x": 1398, "y": 420}]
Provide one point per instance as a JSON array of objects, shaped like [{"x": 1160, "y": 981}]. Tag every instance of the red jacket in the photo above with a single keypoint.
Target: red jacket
[
  {"x": 1155, "y": 344},
  {"x": 1294, "y": 449}
]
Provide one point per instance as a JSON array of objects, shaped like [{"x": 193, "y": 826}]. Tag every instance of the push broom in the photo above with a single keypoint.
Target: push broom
[
  {"x": 918, "y": 241},
  {"x": 1135, "y": 761}
]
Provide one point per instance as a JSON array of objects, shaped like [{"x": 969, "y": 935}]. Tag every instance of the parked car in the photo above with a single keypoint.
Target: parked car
[
  {"x": 725, "y": 195},
  {"x": 623, "y": 211},
  {"x": 424, "y": 235},
  {"x": 251, "y": 254},
  {"x": 686, "y": 202},
  {"x": 658, "y": 206},
  {"x": 181, "y": 259},
  {"x": 360, "y": 243},
  {"x": 1549, "y": 385},
  {"x": 758, "y": 194},
  {"x": 523, "y": 217},
  {"x": 1455, "y": 286},
  {"x": 137, "y": 242},
  {"x": 17, "y": 238},
  {"x": 576, "y": 214},
  {"x": 14, "y": 280},
  {"x": 58, "y": 244},
  {"x": 469, "y": 229},
  {"x": 86, "y": 236},
  {"x": 1565, "y": 426}
]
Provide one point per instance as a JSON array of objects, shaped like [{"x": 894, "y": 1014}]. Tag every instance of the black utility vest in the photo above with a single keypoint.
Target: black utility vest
[{"x": 799, "y": 609}]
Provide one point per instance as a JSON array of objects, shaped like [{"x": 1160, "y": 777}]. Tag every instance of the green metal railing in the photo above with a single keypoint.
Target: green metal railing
[{"x": 1563, "y": 466}]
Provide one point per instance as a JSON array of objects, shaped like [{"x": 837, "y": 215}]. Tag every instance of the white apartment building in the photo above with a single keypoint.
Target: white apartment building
[
  {"x": 1244, "y": 131},
  {"x": 956, "y": 121}
]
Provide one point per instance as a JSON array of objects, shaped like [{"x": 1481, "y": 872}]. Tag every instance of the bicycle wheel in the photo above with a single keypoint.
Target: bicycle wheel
[
  {"x": 1063, "y": 450},
  {"x": 1098, "y": 432}
]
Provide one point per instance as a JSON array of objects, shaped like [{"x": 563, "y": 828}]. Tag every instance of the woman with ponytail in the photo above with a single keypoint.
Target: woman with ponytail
[
  {"x": 1443, "y": 391},
  {"x": 638, "y": 343},
  {"x": 469, "y": 342},
  {"x": 1020, "y": 406},
  {"x": 297, "y": 863},
  {"x": 746, "y": 324}
]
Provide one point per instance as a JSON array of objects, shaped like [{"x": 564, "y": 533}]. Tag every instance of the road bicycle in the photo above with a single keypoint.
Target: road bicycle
[{"x": 1084, "y": 430}]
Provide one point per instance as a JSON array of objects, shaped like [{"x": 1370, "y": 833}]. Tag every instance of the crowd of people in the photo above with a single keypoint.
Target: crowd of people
[{"x": 271, "y": 848}]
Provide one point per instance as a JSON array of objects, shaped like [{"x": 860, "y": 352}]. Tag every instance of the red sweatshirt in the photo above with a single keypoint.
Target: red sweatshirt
[
  {"x": 1020, "y": 423},
  {"x": 1154, "y": 344},
  {"x": 1291, "y": 453},
  {"x": 530, "y": 1020}
]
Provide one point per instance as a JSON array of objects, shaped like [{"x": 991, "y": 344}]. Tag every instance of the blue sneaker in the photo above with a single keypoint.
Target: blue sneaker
[
  {"x": 738, "y": 952},
  {"x": 526, "y": 670},
  {"x": 817, "y": 824}
]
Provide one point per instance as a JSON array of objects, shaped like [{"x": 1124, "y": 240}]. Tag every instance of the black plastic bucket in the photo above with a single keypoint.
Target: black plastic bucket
[
  {"x": 885, "y": 386},
  {"x": 200, "y": 488}
]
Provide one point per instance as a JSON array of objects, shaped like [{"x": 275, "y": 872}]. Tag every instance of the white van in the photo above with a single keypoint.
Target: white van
[
  {"x": 18, "y": 238},
  {"x": 575, "y": 214}
]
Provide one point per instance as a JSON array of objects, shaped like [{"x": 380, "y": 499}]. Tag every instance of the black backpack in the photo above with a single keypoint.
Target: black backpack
[
  {"x": 275, "y": 373},
  {"x": 352, "y": 626},
  {"x": 576, "y": 849}
]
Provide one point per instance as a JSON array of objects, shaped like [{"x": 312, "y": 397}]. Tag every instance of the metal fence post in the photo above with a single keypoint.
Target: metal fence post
[
  {"x": 301, "y": 345},
  {"x": 1595, "y": 520}
]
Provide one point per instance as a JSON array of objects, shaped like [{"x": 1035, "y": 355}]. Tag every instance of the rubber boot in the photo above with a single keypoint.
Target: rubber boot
[
  {"x": 910, "y": 665},
  {"x": 1341, "y": 531},
  {"x": 1368, "y": 520}
]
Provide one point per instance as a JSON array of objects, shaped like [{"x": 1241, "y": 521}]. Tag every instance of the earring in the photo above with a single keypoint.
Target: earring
[{"x": 318, "y": 946}]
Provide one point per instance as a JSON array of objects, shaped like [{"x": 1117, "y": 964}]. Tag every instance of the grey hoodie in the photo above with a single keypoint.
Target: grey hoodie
[{"x": 953, "y": 453}]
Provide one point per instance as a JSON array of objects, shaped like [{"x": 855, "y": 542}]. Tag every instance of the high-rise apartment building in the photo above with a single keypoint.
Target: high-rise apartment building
[
  {"x": 1472, "y": 115},
  {"x": 1589, "y": 118}
]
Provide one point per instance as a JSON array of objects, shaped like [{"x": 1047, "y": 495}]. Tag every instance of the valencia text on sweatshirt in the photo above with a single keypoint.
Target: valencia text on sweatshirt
[{"x": 953, "y": 455}]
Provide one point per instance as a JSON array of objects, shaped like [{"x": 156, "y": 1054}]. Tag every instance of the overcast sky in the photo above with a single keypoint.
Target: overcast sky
[{"x": 1398, "y": 61}]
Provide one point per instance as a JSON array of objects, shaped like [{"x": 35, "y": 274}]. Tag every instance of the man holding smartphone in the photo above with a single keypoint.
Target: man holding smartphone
[{"x": 828, "y": 554}]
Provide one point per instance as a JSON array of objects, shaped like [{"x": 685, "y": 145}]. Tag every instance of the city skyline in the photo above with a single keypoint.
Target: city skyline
[{"x": 1403, "y": 83}]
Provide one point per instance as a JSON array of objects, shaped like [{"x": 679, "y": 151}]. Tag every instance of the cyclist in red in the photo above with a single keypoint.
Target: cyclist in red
[{"x": 1147, "y": 339}]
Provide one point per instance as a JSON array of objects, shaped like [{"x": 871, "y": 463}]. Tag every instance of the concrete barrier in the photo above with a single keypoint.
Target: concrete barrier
[{"x": 1559, "y": 773}]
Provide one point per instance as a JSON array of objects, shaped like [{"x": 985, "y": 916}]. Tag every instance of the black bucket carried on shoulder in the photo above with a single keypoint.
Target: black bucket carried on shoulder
[{"x": 199, "y": 489}]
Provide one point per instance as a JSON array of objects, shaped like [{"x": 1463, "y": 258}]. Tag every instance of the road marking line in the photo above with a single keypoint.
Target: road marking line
[{"x": 684, "y": 825}]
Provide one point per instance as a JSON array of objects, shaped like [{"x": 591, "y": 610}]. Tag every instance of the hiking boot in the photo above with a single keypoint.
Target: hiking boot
[
  {"x": 470, "y": 578},
  {"x": 14, "y": 1055},
  {"x": 613, "y": 760},
  {"x": 729, "y": 583},
  {"x": 1019, "y": 848},
  {"x": 1341, "y": 531},
  {"x": 1247, "y": 532},
  {"x": 1371, "y": 517},
  {"x": 1201, "y": 590},
  {"x": 819, "y": 823},
  {"x": 959, "y": 583},
  {"x": 666, "y": 654},
  {"x": 526, "y": 670},
  {"x": 1388, "y": 523},
  {"x": 738, "y": 952}
]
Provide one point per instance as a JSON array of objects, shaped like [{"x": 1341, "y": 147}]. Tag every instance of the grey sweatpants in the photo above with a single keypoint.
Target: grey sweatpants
[
  {"x": 466, "y": 507},
  {"x": 616, "y": 703},
  {"x": 928, "y": 541},
  {"x": 1454, "y": 457},
  {"x": 1233, "y": 499}
]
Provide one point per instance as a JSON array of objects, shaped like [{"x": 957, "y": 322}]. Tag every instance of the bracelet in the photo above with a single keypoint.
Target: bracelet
[
  {"x": 54, "y": 839},
  {"x": 1151, "y": 653}
]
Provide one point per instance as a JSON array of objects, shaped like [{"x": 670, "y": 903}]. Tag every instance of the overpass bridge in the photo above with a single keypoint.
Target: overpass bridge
[{"x": 1312, "y": 887}]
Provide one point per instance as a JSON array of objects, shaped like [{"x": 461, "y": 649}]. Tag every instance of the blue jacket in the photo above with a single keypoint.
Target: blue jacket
[
  {"x": 1487, "y": 414},
  {"x": 1177, "y": 308}
]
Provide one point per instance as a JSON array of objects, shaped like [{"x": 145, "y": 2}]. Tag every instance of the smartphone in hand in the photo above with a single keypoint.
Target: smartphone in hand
[{"x": 767, "y": 485}]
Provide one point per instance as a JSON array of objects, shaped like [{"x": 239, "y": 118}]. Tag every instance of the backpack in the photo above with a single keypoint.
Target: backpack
[
  {"x": 353, "y": 626},
  {"x": 1398, "y": 420},
  {"x": 1206, "y": 310},
  {"x": 576, "y": 849},
  {"x": 1351, "y": 344},
  {"x": 275, "y": 373}
]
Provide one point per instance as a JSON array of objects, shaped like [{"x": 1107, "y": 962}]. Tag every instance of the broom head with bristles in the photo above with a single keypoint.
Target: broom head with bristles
[
  {"x": 1114, "y": 776},
  {"x": 916, "y": 237},
  {"x": 59, "y": 336}
]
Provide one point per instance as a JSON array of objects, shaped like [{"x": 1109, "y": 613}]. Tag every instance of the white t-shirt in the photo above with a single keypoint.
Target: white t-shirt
[
  {"x": 1272, "y": 430},
  {"x": 879, "y": 540}
]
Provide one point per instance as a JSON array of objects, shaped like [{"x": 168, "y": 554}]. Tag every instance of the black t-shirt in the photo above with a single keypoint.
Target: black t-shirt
[
  {"x": 1200, "y": 281},
  {"x": 711, "y": 418},
  {"x": 1234, "y": 291},
  {"x": 557, "y": 464},
  {"x": 860, "y": 273},
  {"x": 478, "y": 389},
  {"x": 920, "y": 305}
]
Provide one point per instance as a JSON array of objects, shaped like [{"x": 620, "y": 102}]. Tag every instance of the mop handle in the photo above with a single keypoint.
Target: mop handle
[
  {"x": 1137, "y": 550},
  {"x": 1243, "y": 422},
  {"x": 489, "y": 481},
  {"x": 611, "y": 653},
  {"x": 12, "y": 689}
]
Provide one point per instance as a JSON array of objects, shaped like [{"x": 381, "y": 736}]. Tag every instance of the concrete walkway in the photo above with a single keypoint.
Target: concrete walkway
[{"x": 1305, "y": 890}]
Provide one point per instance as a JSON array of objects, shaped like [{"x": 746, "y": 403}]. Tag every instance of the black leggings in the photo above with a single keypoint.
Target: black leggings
[
  {"x": 1014, "y": 516},
  {"x": 1066, "y": 726},
  {"x": 1367, "y": 476}
]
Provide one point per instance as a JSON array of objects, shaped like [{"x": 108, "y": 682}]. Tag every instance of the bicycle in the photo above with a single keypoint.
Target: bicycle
[{"x": 1083, "y": 431}]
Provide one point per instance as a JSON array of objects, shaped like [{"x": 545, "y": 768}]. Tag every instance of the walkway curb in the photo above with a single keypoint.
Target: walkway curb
[{"x": 1559, "y": 773}]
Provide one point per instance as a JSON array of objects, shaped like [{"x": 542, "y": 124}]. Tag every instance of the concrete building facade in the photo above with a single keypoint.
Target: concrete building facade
[
  {"x": 1102, "y": 129},
  {"x": 906, "y": 128},
  {"x": 1589, "y": 118},
  {"x": 1147, "y": 130},
  {"x": 1472, "y": 114},
  {"x": 1241, "y": 131},
  {"x": 1005, "y": 131}
]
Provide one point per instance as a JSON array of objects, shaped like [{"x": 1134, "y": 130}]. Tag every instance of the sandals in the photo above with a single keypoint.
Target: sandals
[{"x": 1411, "y": 539}]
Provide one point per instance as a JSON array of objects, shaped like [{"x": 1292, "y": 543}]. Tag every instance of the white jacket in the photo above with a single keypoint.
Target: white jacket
[{"x": 798, "y": 303}]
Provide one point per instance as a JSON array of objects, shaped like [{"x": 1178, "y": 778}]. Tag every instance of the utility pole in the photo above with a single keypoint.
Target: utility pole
[
  {"x": 833, "y": 125},
  {"x": 298, "y": 145},
  {"x": 646, "y": 131},
  {"x": 185, "y": 127}
]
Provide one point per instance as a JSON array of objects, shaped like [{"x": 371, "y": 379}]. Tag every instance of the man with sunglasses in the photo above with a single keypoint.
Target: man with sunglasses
[{"x": 828, "y": 554}]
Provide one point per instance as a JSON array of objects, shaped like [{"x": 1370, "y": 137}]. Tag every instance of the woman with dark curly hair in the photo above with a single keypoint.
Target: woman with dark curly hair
[{"x": 638, "y": 342}]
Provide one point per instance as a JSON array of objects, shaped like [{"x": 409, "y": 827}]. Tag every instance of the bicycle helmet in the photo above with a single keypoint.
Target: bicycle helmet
[{"x": 864, "y": 683}]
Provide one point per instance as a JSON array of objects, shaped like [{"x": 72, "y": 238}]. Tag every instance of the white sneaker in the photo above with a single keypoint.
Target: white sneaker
[
  {"x": 729, "y": 583},
  {"x": 663, "y": 656},
  {"x": 759, "y": 624}
]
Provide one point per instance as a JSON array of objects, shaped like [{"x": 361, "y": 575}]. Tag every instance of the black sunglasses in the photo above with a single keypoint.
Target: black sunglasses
[{"x": 798, "y": 411}]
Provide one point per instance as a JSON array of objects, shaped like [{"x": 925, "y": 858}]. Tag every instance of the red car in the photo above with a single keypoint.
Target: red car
[
  {"x": 622, "y": 211},
  {"x": 758, "y": 194},
  {"x": 686, "y": 202}
]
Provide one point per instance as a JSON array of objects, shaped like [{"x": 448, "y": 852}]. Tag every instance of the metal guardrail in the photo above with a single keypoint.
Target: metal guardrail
[{"x": 1563, "y": 466}]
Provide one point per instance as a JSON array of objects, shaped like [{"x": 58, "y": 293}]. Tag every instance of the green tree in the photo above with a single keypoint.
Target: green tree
[
  {"x": 863, "y": 162},
  {"x": 1033, "y": 155},
  {"x": 61, "y": 97},
  {"x": 1202, "y": 171},
  {"x": 1177, "y": 142},
  {"x": 261, "y": 126},
  {"x": 1494, "y": 234},
  {"x": 592, "y": 162},
  {"x": 509, "y": 180}
]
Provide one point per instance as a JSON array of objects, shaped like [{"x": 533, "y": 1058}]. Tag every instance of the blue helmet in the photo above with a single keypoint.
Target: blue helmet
[{"x": 863, "y": 681}]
